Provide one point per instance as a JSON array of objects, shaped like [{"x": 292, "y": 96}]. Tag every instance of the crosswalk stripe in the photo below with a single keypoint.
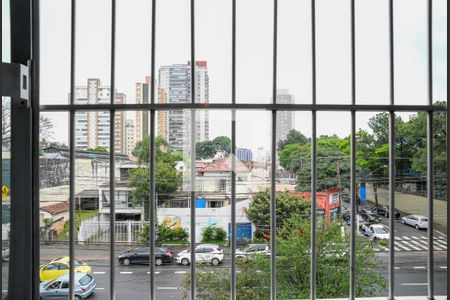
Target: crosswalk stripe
[
  {"x": 414, "y": 237},
  {"x": 397, "y": 238},
  {"x": 443, "y": 243},
  {"x": 418, "y": 244},
  {"x": 403, "y": 247},
  {"x": 414, "y": 247},
  {"x": 396, "y": 249}
]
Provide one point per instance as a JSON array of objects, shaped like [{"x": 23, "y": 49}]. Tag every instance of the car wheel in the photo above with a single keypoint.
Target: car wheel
[
  {"x": 126, "y": 261},
  {"x": 185, "y": 261},
  {"x": 77, "y": 297},
  {"x": 215, "y": 261},
  {"x": 403, "y": 221},
  {"x": 159, "y": 261},
  {"x": 417, "y": 227}
]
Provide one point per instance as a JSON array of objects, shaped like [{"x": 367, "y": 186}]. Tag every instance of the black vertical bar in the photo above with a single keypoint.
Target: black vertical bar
[
  {"x": 353, "y": 155},
  {"x": 112, "y": 162},
  {"x": 72, "y": 153},
  {"x": 313, "y": 267},
  {"x": 233, "y": 153},
  {"x": 391, "y": 203},
  {"x": 35, "y": 100},
  {"x": 153, "y": 206},
  {"x": 273, "y": 206},
  {"x": 430, "y": 168},
  {"x": 193, "y": 141},
  {"x": 273, "y": 220},
  {"x": 20, "y": 283},
  {"x": 391, "y": 155}
]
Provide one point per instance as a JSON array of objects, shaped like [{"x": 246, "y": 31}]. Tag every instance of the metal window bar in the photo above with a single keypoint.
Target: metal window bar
[
  {"x": 112, "y": 162},
  {"x": 353, "y": 157},
  {"x": 430, "y": 173},
  {"x": 72, "y": 108},
  {"x": 391, "y": 263},
  {"x": 72, "y": 154},
  {"x": 152, "y": 160},
  {"x": 313, "y": 259},
  {"x": 273, "y": 198},
  {"x": 233, "y": 153}
]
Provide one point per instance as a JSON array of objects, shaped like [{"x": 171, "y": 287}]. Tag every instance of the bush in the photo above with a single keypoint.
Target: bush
[
  {"x": 163, "y": 233},
  {"x": 213, "y": 233}
]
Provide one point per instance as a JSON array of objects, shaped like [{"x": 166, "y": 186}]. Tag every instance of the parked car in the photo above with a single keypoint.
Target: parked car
[
  {"x": 383, "y": 210},
  {"x": 60, "y": 266},
  {"x": 369, "y": 217},
  {"x": 141, "y": 255},
  {"x": 206, "y": 253},
  {"x": 345, "y": 197},
  {"x": 379, "y": 232},
  {"x": 5, "y": 254},
  {"x": 417, "y": 221},
  {"x": 59, "y": 288},
  {"x": 252, "y": 250}
]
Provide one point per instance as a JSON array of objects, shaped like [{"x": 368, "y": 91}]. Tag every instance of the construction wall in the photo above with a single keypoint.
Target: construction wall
[{"x": 411, "y": 204}]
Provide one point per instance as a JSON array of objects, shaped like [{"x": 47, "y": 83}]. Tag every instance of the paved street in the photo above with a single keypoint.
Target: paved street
[{"x": 132, "y": 282}]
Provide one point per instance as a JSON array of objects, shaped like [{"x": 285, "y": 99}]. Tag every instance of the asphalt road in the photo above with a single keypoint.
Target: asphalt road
[{"x": 132, "y": 282}]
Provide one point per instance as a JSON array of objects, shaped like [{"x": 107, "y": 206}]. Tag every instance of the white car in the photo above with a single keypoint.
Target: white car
[
  {"x": 252, "y": 250},
  {"x": 206, "y": 253},
  {"x": 379, "y": 232},
  {"x": 417, "y": 221}
]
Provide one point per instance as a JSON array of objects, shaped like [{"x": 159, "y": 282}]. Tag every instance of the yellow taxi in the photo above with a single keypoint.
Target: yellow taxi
[{"x": 60, "y": 266}]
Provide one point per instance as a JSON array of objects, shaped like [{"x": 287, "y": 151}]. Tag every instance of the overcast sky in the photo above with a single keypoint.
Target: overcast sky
[{"x": 254, "y": 54}]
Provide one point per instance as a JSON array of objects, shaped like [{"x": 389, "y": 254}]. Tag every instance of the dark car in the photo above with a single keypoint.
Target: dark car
[
  {"x": 383, "y": 210},
  {"x": 141, "y": 255},
  {"x": 369, "y": 217}
]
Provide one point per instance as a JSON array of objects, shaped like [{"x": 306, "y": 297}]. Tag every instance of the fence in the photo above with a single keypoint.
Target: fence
[{"x": 99, "y": 232}]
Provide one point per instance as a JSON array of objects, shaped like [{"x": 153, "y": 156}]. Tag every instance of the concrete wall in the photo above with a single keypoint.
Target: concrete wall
[
  {"x": 411, "y": 204},
  {"x": 205, "y": 217}
]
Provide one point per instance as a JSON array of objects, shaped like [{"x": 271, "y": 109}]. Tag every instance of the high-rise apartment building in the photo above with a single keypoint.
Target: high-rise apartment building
[
  {"x": 244, "y": 154},
  {"x": 92, "y": 128},
  {"x": 130, "y": 135},
  {"x": 143, "y": 95},
  {"x": 176, "y": 82},
  {"x": 285, "y": 119}
]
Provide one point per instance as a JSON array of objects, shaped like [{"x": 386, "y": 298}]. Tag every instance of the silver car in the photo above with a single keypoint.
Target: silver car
[
  {"x": 418, "y": 222},
  {"x": 59, "y": 288}
]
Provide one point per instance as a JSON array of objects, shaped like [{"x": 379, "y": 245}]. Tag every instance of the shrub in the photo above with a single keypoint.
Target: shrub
[
  {"x": 163, "y": 233},
  {"x": 213, "y": 233}
]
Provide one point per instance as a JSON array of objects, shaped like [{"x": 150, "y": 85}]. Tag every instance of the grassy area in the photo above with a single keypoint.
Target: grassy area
[{"x": 80, "y": 215}]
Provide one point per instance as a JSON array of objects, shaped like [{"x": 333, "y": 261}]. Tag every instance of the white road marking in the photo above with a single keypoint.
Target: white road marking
[
  {"x": 419, "y": 245},
  {"x": 396, "y": 249},
  {"x": 180, "y": 272},
  {"x": 420, "y": 283},
  {"x": 443, "y": 267},
  {"x": 126, "y": 273},
  {"x": 419, "y": 268},
  {"x": 414, "y": 247},
  {"x": 397, "y": 268},
  {"x": 99, "y": 288},
  {"x": 403, "y": 247},
  {"x": 414, "y": 237},
  {"x": 156, "y": 272},
  {"x": 397, "y": 238}
]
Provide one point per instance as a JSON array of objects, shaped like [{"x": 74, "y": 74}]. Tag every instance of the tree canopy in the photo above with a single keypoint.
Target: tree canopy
[
  {"x": 208, "y": 149},
  {"x": 288, "y": 205}
]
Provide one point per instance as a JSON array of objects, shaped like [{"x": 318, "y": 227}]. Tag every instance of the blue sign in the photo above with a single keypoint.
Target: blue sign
[
  {"x": 200, "y": 203},
  {"x": 362, "y": 193}
]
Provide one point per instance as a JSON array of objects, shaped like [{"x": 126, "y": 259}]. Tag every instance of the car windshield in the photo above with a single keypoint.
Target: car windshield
[
  {"x": 381, "y": 230},
  {"x": 78, "y": 263},
  {"x": 85, "y": 280},
  {"x": 49, "y": 283},
  {"x": 424, "y": 220}
]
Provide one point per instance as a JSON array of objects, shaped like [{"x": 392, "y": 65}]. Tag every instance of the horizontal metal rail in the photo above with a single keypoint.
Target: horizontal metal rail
[{"x": 249, "y": 106}]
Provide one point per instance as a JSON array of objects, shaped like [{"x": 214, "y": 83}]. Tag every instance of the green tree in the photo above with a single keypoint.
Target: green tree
[
  {"x": 288, "y": 205},
  {"x": 333, "y": 165},
  {"x": 293, "y": 137},
  {"x": 223, "y": 144},
  {"x": 293, "y": 268},
  {"x": 168, "y": 179},
  {"x": 205, "y": 149}
]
